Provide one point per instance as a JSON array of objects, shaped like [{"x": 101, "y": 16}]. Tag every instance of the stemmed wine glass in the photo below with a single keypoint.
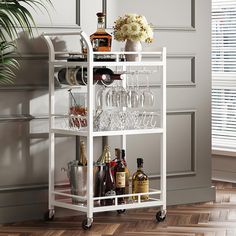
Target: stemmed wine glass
[
  {"x": 148, "y": 95},
  {"x": 122, "y": 98},
  {"x": 133, "y": 96}
]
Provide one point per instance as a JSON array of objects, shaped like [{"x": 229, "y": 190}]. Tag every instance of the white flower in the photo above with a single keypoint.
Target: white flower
[
  {"x": 125, "y": 29},
  {"x": 134, "y": 27},
  {"x": 131, "y": 18},
  {"x": 119, "y": 36}
]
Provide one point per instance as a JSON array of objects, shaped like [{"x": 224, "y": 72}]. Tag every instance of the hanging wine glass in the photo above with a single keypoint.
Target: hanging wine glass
[
  {"x": 140, "y": 92},
  {"x": 133, "y": 100},
  {"x": 122, "y": 97},
  {"x": 99, "y": 97},
  {"x": 148, "y": 95},
  {"x": 110, "y": 97}
]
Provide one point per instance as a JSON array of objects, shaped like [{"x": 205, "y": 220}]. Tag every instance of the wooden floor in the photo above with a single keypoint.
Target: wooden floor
[{"x": 210, "y": 219}]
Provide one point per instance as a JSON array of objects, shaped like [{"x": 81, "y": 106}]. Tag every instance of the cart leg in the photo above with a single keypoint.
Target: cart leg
[
  {"x": 87, "y": 223},
  {"x": 161, "y": 215},
  {"x": 49, "y": 215}
]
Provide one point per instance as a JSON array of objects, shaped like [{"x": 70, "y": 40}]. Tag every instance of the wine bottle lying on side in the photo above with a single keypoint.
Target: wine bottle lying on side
[{"x": 78, "y": 76}]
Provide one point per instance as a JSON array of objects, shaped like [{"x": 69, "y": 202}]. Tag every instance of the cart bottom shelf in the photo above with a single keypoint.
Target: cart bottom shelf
[{"x": 66, "y": 203}]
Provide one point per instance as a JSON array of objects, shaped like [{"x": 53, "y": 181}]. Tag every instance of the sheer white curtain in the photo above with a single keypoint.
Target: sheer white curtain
[{"x": 224, "y": 75}]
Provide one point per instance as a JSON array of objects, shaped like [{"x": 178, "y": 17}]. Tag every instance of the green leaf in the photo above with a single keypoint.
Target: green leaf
[{"x": 13, "y": 16}]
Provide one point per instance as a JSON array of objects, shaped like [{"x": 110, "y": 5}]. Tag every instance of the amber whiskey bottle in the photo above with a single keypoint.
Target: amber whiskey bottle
[
  {"x": 108, "y": 183},
  {"x": 101, "y": 40},
  {"x": 140, "y": 181}
]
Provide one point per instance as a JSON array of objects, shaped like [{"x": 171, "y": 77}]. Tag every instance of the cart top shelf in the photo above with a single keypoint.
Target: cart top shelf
[{"x": 114, "y": 58}]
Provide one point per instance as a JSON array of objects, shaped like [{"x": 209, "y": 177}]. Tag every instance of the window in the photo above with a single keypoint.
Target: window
[{"x": 224, "y": 75}]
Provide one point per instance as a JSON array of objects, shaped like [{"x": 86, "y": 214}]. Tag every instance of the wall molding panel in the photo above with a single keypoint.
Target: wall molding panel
[
  {"x": 192, "y": 114},
  {"x": 179, "y": 66},
  {"x": 171, "y": 26},
  {"x": 193, "y": 159}
]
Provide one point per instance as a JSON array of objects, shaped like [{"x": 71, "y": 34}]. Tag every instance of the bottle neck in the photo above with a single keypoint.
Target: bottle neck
[
  {"x": 140, "y": 167},
  {"x": 101, "y": 24},
  {"x": 83, "y": 158},
  {"x": 102, "y": 158}
]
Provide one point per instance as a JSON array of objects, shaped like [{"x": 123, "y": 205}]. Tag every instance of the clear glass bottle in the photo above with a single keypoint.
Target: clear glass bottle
[
  {"x": 140, "y": 181},
  {"x": 101, "y": 40},
  {"x": 120, "y": 178},
  {"x": 108, "y": 183}
]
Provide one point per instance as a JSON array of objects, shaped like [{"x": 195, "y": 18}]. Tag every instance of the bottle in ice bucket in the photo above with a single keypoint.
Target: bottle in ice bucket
[
  {"x": 77, "y": 173},
  {"x": 83, "y": 155}
]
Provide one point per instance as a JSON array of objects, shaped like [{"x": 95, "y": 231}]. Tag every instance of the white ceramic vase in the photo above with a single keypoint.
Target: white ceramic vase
[{"x": 133, "y": 46}]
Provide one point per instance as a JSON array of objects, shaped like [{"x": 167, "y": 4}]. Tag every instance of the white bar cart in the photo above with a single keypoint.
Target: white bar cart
[{"x": 157, "y": 197}]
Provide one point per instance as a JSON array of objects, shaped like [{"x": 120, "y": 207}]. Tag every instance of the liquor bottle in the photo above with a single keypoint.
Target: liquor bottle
[
  {"x": 99, "y": 171},
  {"x": 127, "y": 173},
  {"x": 101, "y": 40},
  {"x": 114, "y": 161},
  {"x": 78, "y": 76},
  {"x": 83, "y": 156},
  {"x": 120, "y": 178},
  {"x": 140, "y": 181},
  {"x": 107, "y": 183}
]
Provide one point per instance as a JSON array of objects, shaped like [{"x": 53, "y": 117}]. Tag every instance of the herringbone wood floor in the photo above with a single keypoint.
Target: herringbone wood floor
[{"x": 210, "y": 219}]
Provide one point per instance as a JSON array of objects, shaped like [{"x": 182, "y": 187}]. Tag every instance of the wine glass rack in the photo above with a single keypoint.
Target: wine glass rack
[{"x": 62, "y": 197}]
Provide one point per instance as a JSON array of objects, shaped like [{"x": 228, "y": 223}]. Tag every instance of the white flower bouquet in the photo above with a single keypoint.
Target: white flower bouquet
[{"x": 133, "y": 27}]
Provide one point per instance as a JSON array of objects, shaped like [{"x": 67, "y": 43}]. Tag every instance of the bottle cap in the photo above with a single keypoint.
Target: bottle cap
[
  {"x": 107, "y": 156},
  {"x": 117, "y": 152},
  {"x": 139, "y": 161},
  {"x": 123, "y": 152},
  {"x": 101, "y": 14}
]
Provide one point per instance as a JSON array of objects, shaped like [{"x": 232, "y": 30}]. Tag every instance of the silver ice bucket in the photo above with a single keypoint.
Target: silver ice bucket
[{"x": 78, "y": 180}]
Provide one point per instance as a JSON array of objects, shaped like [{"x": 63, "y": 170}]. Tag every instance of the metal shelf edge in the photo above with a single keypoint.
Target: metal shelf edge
[
  {"x": 69, "y": 132},
  {"x": 69, "y": 206},
  {"x": 152, "y": 203},
  {"x": 128, "y": 132}
]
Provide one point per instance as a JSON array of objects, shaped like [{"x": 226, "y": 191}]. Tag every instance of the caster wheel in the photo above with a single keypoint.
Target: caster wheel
[
  {"x": 121, "y": 211},
  {"x": 49, "y": 215},
  {"x": 86, "y": 225},
  {"x": 160, "y": 216}
]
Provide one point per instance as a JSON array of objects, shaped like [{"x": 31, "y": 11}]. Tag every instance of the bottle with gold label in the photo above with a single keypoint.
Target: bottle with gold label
[
  {"x": 140, "y": 181},
  {"x": 108, "y": 183},
  {"x": 120, "y": 178},
  {"x": 101, "y": 40}
]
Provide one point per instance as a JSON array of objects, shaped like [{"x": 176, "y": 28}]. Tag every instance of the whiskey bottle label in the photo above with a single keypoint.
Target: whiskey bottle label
[
  {"x": 141, "y": 186},
  {"x": 120, "y": 179}
]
